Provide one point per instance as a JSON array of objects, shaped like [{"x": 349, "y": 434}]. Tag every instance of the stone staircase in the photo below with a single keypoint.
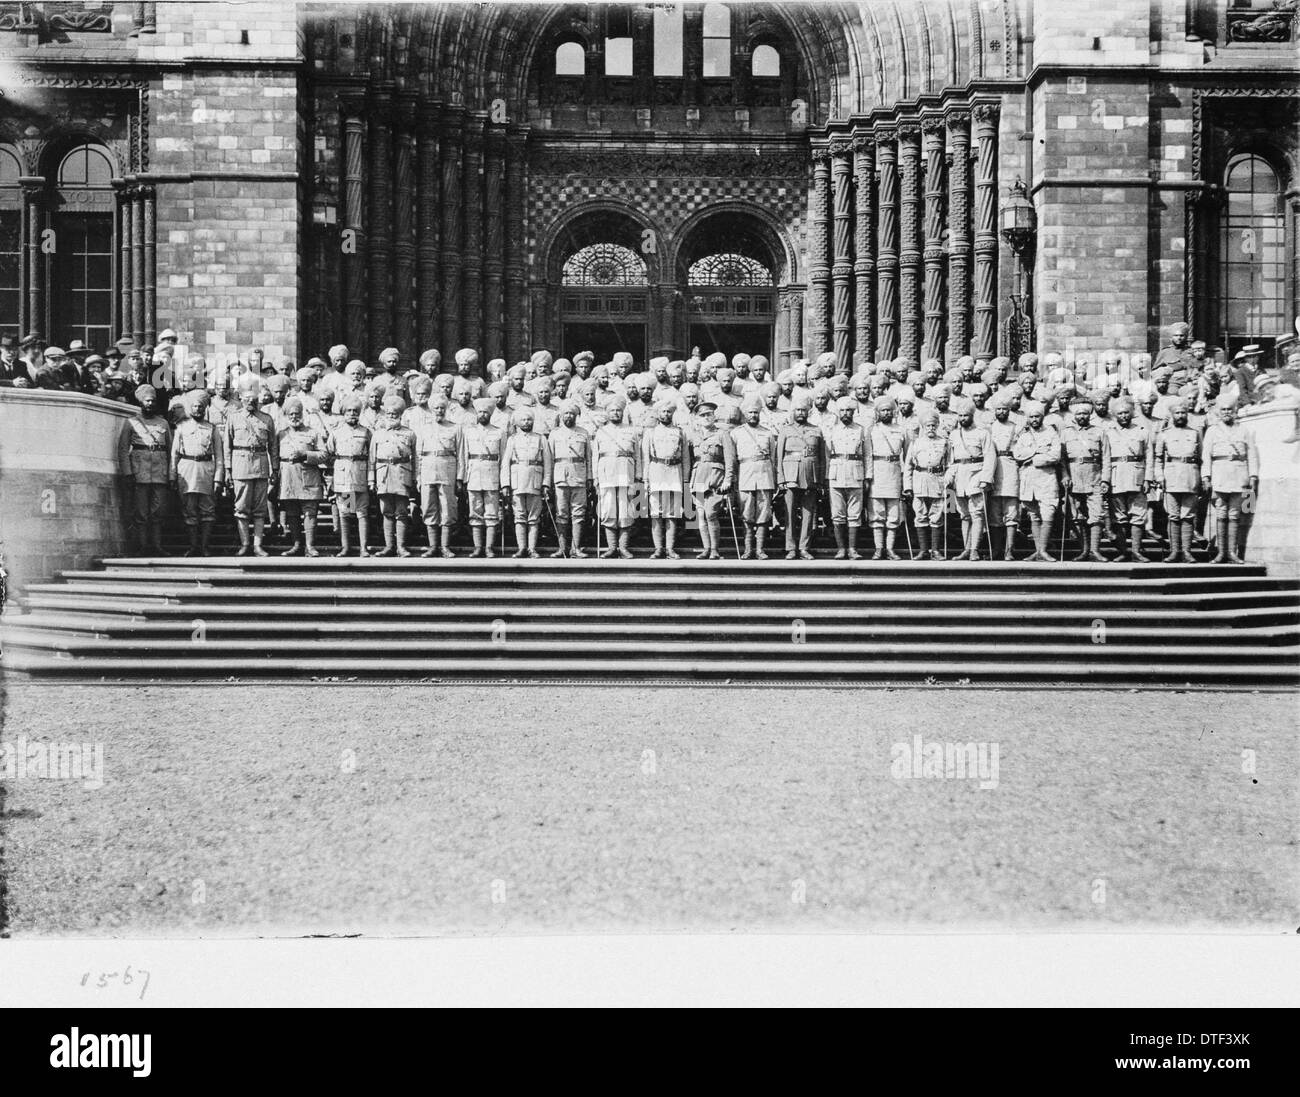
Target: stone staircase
[{"x": 329, "y": 619}]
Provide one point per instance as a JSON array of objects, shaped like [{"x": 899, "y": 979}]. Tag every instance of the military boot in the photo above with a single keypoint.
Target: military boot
[
  {"x": 748, "y": 554},
  {"x": 624, "y": 536},
  {"x": 309, "y": 532},
  {"x": 715, "y": 528},
  {"x": 922, "y": 542},
  {"x": 670, "y": 538},
  {"x": 878, "y": 535},
  {"x": 760, "y": 538},
  {"x": 1135, "y": 553},
  {"x": 1234, "y": 556},
  {"x": 852, "y": 533},
  {"x": 1094, "y": 545},
  {"x": 521, "y": 540},
  {"x": 575, "y": 539}
]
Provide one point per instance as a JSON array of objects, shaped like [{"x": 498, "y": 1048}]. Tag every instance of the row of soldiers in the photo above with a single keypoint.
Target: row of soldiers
[{"x": 861, "y": 449}]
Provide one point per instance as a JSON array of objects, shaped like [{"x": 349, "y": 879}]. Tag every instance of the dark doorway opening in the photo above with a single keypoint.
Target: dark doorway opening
[
  {"x": 604, "y": 339},
  {"x": 732, "y": 339}
]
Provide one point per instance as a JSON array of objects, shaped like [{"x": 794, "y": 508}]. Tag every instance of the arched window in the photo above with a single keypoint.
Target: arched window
[
  {"x": 570, "y": 59},
  {"x": 604, "y": 265},
  {"x": 728, "y": 269},
  {"x": 11, "y": 244},
  {"x": 82, "y": 306},
  {"x": 1253, "y": 252},
  {"x": 717, "y": 40},
  {"x": 766, "y": 62}
]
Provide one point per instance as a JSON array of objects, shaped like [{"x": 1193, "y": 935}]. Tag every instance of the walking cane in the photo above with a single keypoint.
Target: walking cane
[
  {"x": 945, "y": 523},
  {"x": 988, "y": 533},
  {"x": 735, "y": 537},
  {"x": 911, "y": 555},
  {"x": 1065, "y": 524}
]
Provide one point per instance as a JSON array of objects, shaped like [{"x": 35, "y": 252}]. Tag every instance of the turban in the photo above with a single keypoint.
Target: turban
[
  {"x": 146, "y": 392},
  {"x": 943, "y": 389},
  {"x": 562, "y": 365},
  {"x": 460, "y": 389},
  {"x": 885, "y": 403},
  {"x": 751, "y": 402},
  {"x": 292, "y": 404},
  {"x": 827, "y": 360},
  {"x": 846, "y": 402},
  {"x": 421, "y": 383},
  {"x": 661, "y": 362},
  {"x": 908, "y": 398},
  {"x": 589, "y": 386},
  {"x": 821, "y": 388},
  {"x": 1180, "y": 328},
  {"x": 976, "y": 389},
  {"x": 444, "y": 381},
  {"x": 542, "y": 359},
  {"x": 916, "y": 377},
  {"x": 483, "y": 404},
  {"x": 194, "y": 402},
  {"x": 785, "y": 377},
  {"x": 1225, "y": 403},
  {"x": 519, "y": 370},
  {"x": 599, "y": 372},
  {"x": 374, "y": 385},
  {"x": 998, "y": 400},
  {"x": 571, "y": 406},
  {"x": 770, "y": 388},
  {"x": 1183, "y": 403},
  {"x": 990, "y": 377},
  {"x": 351, "y": 400},
  {"x": 953, "y": 376},
  {"x": 799, "y": 373},
  {"x": 618, "y": 402},
  {"x": 307, "y": 373},
  {"x": 477, "y": 387},
  {"x": 1011, "y": 392},
  {"x": 664, "y": 405},
  {"x": 248, "y": 382},
  {"x": 389, "y": 352},
  {"x": 689, "y": 389},
  {"x": 717, "y": 360},
  {"x": 430, "y": 359},
  {"x": 339, "y": 348},
  {"x": 467, "y": 357},
  {"x": 929, "y": 416},
  {"x": 1120, "y": 403},
  {"x": 1028, "y": 362},
  {"x": 393, "y": 404},
  {"x": 277, "y": 383},
  {"x": 522, "y": 413},
  {"x": 803, "y": 400},
  {"x": 1081, "y": 405},
  {"x": 497, "y": 389},
  {"x": 1161, "y": 373},
  {"x": 1032, "y": 407},
  {"x": 962, "y": 406},
  {"x": 581, "y": 356},
  {"x": 759, "y": 361}
]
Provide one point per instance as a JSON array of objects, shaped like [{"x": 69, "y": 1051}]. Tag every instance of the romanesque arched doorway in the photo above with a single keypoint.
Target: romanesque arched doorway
[
  {"x": 728, "y": 268},
  {"x": 600, "y": 264}
]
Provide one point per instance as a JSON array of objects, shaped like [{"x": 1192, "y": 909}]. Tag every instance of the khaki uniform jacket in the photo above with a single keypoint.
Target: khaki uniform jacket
[
  {"x": 480, "y": 456},
  {"x": 437, "y": 453},
  {"x": 546, "y": 417},
  {"x": 666, "y": 458},
  {"x": 301, "y": 479},
  {"x": 926, "y": 466},
  {"x": 197, "y": 458},
  {"x": 715, "y": 461},
  {"x": 349, "y": 449},
  {"x": 617, "y": 449},
  {"x": 1006, "y": 471},
  {"x": 848, "y": 452},
  {"x": 392, "y": 461},
  {"x": 1132, "y": 458},
  {"x": 888, "y": 452},
  {"x": 1039, "y": 454},
  {"x": 144, "y": 451},
  {"x": 755, "y": 458},
  {"x": 972, "y": 458},
  {"x": 801, "y": 456},
  {"x": 526, "y": 463},
  {"x": 1178, "y": 460},
  {"x": 250, "y": 446},
  {"x": 1229, "y": 457},
  {"x": 570, "y": 456},
  {"x": 1087, "y": 457}
]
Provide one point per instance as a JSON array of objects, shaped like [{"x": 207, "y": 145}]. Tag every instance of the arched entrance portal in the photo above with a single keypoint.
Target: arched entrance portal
[
  {"x": 728, "y": 267},
  {"x": 604, "y": 287}
]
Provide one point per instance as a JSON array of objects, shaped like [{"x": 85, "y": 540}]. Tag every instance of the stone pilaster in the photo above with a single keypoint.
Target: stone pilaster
[
  {"x": 842, "y": 270},
  {"x": 819, "y": 268},
  {"x": 986, "y": 236},
  {"x": 887, "y": 244},
  {"x": 959, "y": 234},
  {"x": 864, "y": 262},
  {"x": 909, "y": 245},
  {"x": 933, "y": 146}
]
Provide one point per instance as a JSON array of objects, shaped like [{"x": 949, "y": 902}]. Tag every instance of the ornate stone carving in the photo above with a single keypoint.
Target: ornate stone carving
[{"x": 629, "y": 164}]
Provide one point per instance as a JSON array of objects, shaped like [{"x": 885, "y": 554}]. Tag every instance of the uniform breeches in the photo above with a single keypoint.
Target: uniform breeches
[
  {"x": 392, "y": 506},
  {"x": 756, "y": 506},
  {"x": 708, "y": 506},
  {"x": 1004, "y": 510},
  {"x": 484, "y": 508},
  {"x": 846, "y": 506},
  {"x": 198, "y": 508},
  {"x": 1227, "y": 504},
  {"x": 928, "y": 510},
  {"x": 570, "y": 503},
  {"x": 1180, "y": 506},
  {"x": 1128, "y": 506},
  {"x": 616, "y": 508},
  {"x": 1040, "y": 510},
  {"x": 438, "y": 504},
  {"x": 250, "y": 499},
  {"x": 528, "y": 508},
  {"x": 351, "y": 503},
  {"x": 971, "y": 505},
  {"x": 147, "y": 504},
  {"x": 665, "y": 504},
  {"x": 886, "y": 511},
  {"x": 803, "y": 502},
  {"x": 1089, "y": 506}
]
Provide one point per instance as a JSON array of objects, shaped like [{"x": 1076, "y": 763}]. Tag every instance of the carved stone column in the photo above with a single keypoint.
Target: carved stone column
[
  {"x": 909, "y": 246},
  {"x": 33, "y": 280},
  {"x": 933, "y": 142},
  {"x": 819, "y": 268},
  {"x": 137, "y": 265},
  {"x": 842, "y": 271},
  {"x": 796, "y": 325},
  {"x": 493, "y": 242},
  {"x": 123, "y": 214},
  {"x": 516, "y": 322},
  {"x": 887, "y": 245},
  {"x": 864, "y": 262},
  {"x": 148, "y": 216},
  {"x": 986, "y": 236},
  {"x": 428, "y": 231},
  {"x": 959, "y": 236},
  {"x": 357, "y": 332},
  {"x": 379, "y": 253},
  {"x": 451, "y": 229},
  {"x": 471, "y": 313},
  {"x": 404, "y": 334}
]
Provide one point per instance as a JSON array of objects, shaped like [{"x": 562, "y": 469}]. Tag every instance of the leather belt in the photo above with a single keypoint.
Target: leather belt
[
  {"x": 149, "y": 449},
  {"x": 1128, "y": 460},
  {"x": 968, "y": 460},
  {"x": 252, "y": 449},
  {"x": 347, "y": 457},
  {"x": 1228, "y": 457},
  {"x": 890, "y": 457},
  {"x": 187, "y": 457},
  {"x": 485, "y": 457},
  {"x": 1183, "y": 460},
  {"x": 756, "y": 460}
]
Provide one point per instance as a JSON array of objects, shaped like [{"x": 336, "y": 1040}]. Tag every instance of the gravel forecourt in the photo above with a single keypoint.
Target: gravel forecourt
[{"x": 255, "y": 809}]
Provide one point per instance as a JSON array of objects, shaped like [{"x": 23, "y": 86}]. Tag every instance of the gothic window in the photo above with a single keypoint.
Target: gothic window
[
  {"x": 1253, "y": 249},
  {"x": 668, "y": 23},
  {"x": 728, "y": 269},
  {"x": 82, "y": 307},
  {"x": 766, "y": 62},
  {"x": 11, "y": 248},
  {"x": 605, "y": 265},
  {"x": 717, "y": 40},
  {"x": 570, "y": 59}
]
